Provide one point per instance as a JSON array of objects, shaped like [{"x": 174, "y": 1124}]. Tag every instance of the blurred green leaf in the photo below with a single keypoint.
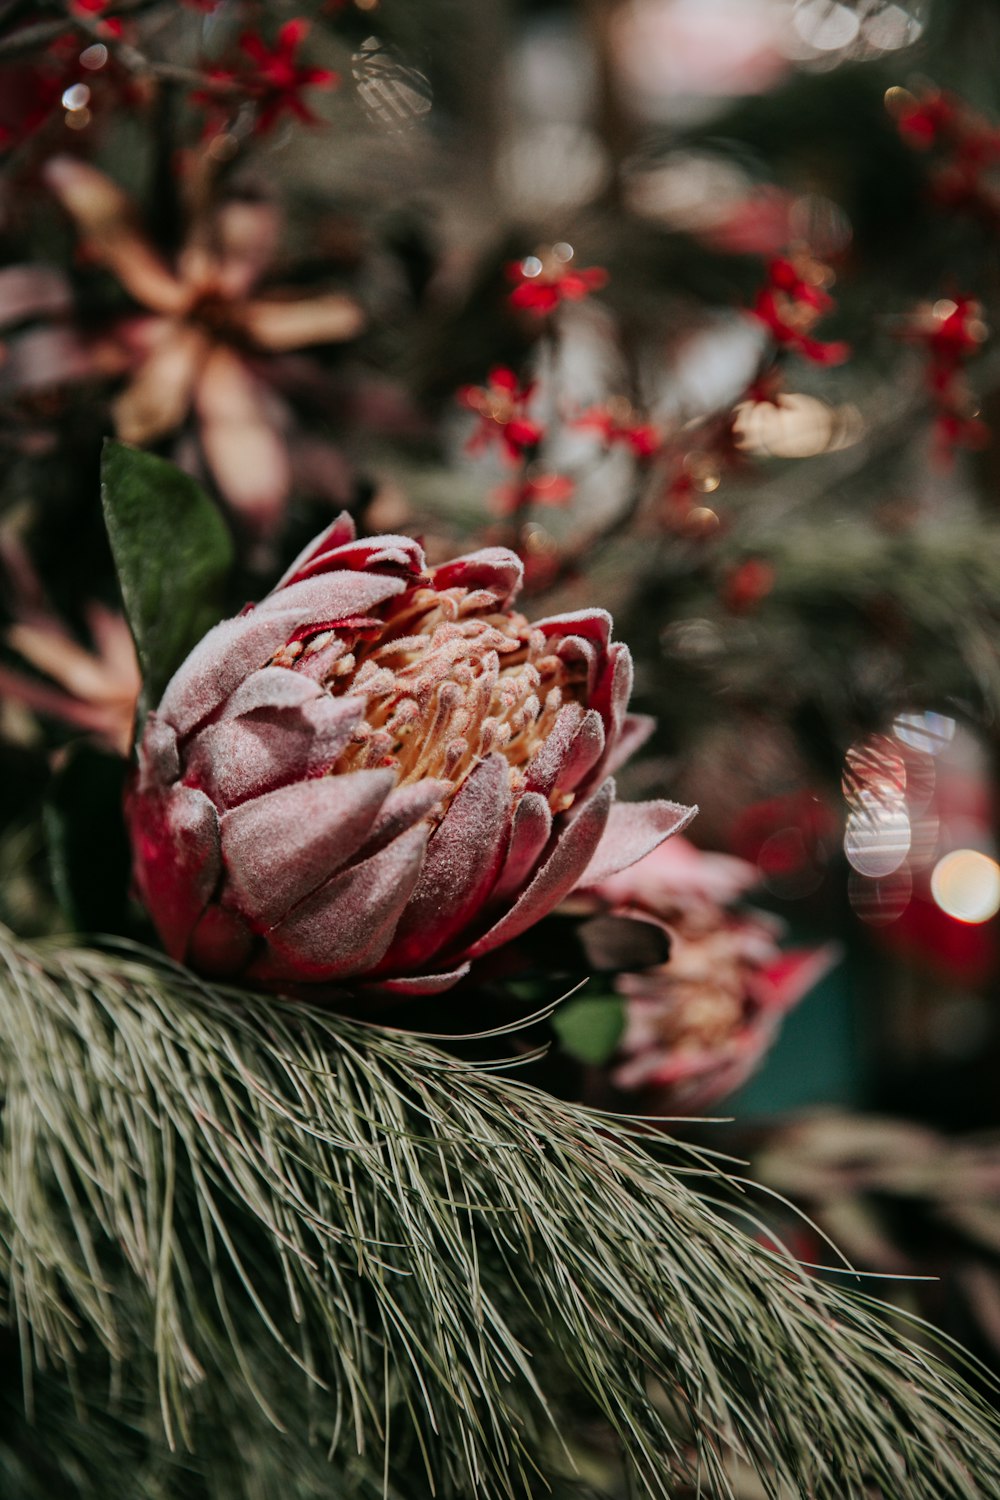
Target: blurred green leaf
[
  {"x": 590, "y": 1028},
  {"x": 172, "y": 551},
  {"x": 88, "y": 846}
]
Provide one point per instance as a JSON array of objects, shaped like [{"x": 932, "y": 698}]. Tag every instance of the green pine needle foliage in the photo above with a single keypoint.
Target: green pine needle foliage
[{"x": 252, "y": 1251}]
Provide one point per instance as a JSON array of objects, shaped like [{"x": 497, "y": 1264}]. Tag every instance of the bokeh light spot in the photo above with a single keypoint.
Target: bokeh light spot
[{"x": 966, "y": 885}]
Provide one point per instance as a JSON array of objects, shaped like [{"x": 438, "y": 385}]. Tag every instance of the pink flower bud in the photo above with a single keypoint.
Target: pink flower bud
[
  {"x": 382, "y": 771},
  {"x": 698, "y": 1026}
]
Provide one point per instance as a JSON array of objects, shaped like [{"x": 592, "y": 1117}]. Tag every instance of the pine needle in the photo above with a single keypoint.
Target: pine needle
[{"x": 329, "y": 1240}]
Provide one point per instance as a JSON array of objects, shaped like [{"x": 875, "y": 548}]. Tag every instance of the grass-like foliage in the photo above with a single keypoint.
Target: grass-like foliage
[{"x": 332, "y": 1259}]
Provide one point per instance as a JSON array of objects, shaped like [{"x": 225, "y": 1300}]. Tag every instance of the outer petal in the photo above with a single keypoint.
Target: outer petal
[
  {"x": 176, "y": 842},
  {"x": 235, "y": 648},
  {"x": 377, "y": 554},
  {"x": 496, "y": 569},
  {"x": 544, "y": 766},
  {"x": 279, "y": 847},
  {"x": 245, "y": 452},
  {"x": 333, "y": 595},
  {"x": 633, "y": 830},
  {"x": 241, "y": 758},
  {"x": 336, "y": 534},
  {"x": 529, "y": 836},
  {"x": 463, "y": 860},
  {"x": 107, "y": 221},
  {"x": 401, "y": 810},
  {"x": 557, "y": 876},
  {"x": 591, "y": 624},
  {"x": 327, "y": 319},
  {"x": 345, "y": 927},
  {"x": 610, "y": 699},
  {"x": 219, "y": 662}
]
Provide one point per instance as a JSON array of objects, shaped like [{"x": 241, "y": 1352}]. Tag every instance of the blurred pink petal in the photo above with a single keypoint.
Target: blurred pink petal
[
  {"x": 44, "y": 358},
  {"x": 32, "y": 292},
  {"x": 282, "y": 325},
  {"x": 109, "y": 228},
  {"x": 247, "y": 456},
  {"x": 245, "y": 238},
  {"x": 158, "y": 397},
  {"x": 677, "y": 874}
]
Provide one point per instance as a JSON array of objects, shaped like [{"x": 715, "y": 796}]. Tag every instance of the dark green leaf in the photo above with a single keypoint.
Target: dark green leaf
[
  {"x": 590, "y": 1028},
  {"x": 88, "y": 846},
  {"x": 172, "y": 551}
]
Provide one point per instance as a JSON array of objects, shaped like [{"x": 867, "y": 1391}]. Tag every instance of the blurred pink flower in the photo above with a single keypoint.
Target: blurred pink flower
[
  {"x": 208, "y": 332},
  {"x": 698, "y": 1026}
]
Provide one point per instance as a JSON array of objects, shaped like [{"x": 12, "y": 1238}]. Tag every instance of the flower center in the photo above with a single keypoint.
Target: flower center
[{"x": 448, "y": 678}]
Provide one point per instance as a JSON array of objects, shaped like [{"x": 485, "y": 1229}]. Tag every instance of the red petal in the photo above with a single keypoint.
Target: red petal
[
  {"x": 345, "y": 927},
  {"x": 279, "y": 847},
  {"x": 175, "y": 838},
  {"x": 573, "y": 850},
  {"x": 463, "y": 861}
]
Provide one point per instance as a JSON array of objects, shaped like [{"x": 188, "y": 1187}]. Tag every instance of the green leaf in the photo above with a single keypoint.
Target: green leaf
[
  {"x": 88, "y": 846},
  {"x": 590, "y": 1028},
  {"x": 172, "y": 551}
]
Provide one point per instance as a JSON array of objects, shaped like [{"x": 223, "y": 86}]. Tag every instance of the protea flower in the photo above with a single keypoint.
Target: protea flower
[
  {"x": 699, "y": 1025},
  {"x": 381, "y": 772}
]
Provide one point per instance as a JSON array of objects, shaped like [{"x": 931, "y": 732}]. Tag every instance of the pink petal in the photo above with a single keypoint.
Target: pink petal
[
  {"x": 158, "y": 397},
  {"x": 327, "y": 319},
  {"x": 495, "y": 569},
  {"x": 530, "y": 834},
  {"x": 175, "y": 838},
  {"x": 544, "y": 766},
  {"x": 242, "y": 447},
  {"x": 271, "y": 687},
  {"x": 635, "y": 731},
  {"x": 584, "y": 753},
  {"x": 279, "y": 847},
  {"x": 339, "y": 532},
  {"x": 463, "y": 860},
  {"x": 345, "y": 927},
  {"x": 246, "y": 237},
  {"x": 107, "y": 222},
  {"x": 45, "y": 357},
  {"x": 32, "y": 292},
  {"x": 592, "y": 625},
  {"x": 633, "y": 830},
  {"x": 159, "y": 761},
  {"x": 383, "y": 554},
  {"x": 557, "y": 876},
  {"x": 223, "y": 657},
  {"x": 401, "y": 810},
  {"x": 245, "y": 757},
  {"x": 610, "y": 698},
  {"x": 332, "y": 596}
]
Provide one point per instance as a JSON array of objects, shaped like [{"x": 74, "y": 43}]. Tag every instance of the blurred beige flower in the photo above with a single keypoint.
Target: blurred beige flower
[
  {"x": 200, "y": 346},
  {"x": 92, "y": 689}
]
